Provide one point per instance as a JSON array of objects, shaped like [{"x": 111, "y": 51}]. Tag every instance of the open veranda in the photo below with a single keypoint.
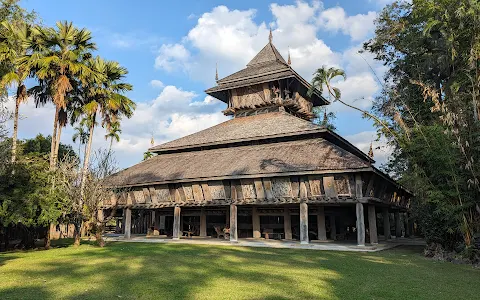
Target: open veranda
[{"x": 174, "y": 271}]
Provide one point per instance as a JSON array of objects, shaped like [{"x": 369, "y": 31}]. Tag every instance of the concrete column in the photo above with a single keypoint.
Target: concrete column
[
  {"x": 322, "y": 232},
  {"x": 233, "y": 223},
  {"x": 333, "y": 228},
  {"x": 372, "y": 224},
  {"x": 398, "y": 225},
  {"x": 287, "y": 224},
  {"x": 386, "y": 223},
  {"x": 176, "y": 222},
  {"x": 127, "y": 216},
  {"x": 203, "y": 222},
  {"x": 303, "y": 223},
  {"x": 360, "y": 224},
  {"x": 256, "y": 223}
]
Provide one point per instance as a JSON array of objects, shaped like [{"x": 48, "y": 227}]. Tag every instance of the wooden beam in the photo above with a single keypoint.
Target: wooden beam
[
  {"x": 206, "y": 192},
  {"x": 386, "y": 223},
  {"x": 197, "y": 192},
  {"x": 358, "y": 186},
  {"x": 153, "y": 194},
  {"x": 268, "y": 188},
  {"x": 259, "y": 190}
]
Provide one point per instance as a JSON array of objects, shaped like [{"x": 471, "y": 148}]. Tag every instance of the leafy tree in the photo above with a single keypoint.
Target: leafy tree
[
  {"x": 113, "y": 133},
  {"x": 14, "y": 30},
  {"x": 430, "y": 104}
]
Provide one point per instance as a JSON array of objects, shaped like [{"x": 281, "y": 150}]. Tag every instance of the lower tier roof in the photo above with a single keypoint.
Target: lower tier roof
[{"x": 242, "y": 161}]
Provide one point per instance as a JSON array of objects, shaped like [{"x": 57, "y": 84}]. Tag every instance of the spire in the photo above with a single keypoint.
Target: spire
[
  {"x": 289, "y": 60},
  {"x": 370, "y": 152},
  {"x": 152, "y": 141},
  {"x": 216, "y": 71},
  {"x": 270, "y": 36}
]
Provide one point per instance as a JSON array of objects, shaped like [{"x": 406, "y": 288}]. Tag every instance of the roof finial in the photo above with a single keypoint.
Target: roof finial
[
  {"x": 370, "y": 152},
  {"x": 289, "y": 60},
  {"x": 270, "y": 36},
  {"x": 216, "y": 71},
  {"x": 152, "y": 141}
]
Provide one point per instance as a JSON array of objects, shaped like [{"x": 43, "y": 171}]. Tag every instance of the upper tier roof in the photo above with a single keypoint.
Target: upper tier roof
[{"x": 268, "y": 65}]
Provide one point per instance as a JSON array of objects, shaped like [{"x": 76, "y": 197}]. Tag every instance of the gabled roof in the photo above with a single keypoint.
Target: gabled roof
[
  {"x": 268, "y": 54},
  {"x": 311, "y": 156}
]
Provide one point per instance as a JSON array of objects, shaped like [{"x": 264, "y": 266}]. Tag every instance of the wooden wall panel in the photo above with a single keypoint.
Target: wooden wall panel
[
  {"x": 248, "y": 188},
  {"x": 187, "y": 188},
  {"x": 197, "y": 192},
  {"x": 267, "y": 184},
  {"x": 139, "y": 197},
  {"x": 295, "y": 186},
  {"x": 259, "y": 190},
  {"x": 342, "y": 185},
  {"x": 163, "y": 193},
  {"x": 315, "y": 185},
  {"x": 281, "y": 187},
  {"x": 146, "y": 195},
  {"x": 207, "y": 195},
  {"x": 217, "y": 189},
  {"x": 329, "y": 187}
]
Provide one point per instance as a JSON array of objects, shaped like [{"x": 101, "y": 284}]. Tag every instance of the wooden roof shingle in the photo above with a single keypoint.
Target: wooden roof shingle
[{"x": 277, "y": 159}]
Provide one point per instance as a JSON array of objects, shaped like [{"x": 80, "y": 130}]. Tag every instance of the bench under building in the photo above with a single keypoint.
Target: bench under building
[{"x": 268, "y": 172}]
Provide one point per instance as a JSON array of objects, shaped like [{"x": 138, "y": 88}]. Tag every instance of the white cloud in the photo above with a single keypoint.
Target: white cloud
[
  {"x": 362, "y": 140},
  {"x": 358, "y": 27},
  {"x": 172, "y": 57},
  {"x": 157, "y": 84}
]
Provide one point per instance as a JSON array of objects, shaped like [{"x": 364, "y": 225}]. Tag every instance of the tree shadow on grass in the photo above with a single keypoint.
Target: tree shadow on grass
[{"x": 179, "y": 271}]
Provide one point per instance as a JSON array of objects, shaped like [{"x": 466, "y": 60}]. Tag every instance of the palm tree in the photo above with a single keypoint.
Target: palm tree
[
  {"x": 104, "y": 98},
  {"x": 57, "y": 58},
  {"x": 81, "y": 134},
  {"x": 12, "y": 46},
  {"x": 113, "y": 133}
]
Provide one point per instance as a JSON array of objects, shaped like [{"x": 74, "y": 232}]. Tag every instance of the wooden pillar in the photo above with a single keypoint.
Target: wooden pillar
[
  {"x": 227, "y": 216},
  {"x": 303, "y": 223},
  {"x": 203, "y": 222},
  {"x": 176, "y": 222},
  {"x": 153, "y": 224},
  {"x": 372, "y": 224},
  {"x": 287, "y": 224},
  {"x": 181, "y": 225},
  {"x": 256, "y": 223},
  {"x": 333, "y": 228},
  {"x": 117, "y": 225},
  {"x": 127, "y": 216},
  {"x": 409, "y": 225},
  {"x": 360, "y": 224},
  {"x": 386, "y": 223},
  {"x": 398, "y": 225},
  {"x": 233, "y": 223},
  {"x": 322, "y": 232}
]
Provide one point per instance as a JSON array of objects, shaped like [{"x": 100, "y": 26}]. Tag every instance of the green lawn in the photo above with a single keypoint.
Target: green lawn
[{"x": 168, "y": 271}]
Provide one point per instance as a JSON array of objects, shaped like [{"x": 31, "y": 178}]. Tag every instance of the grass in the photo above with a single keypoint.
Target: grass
[{"x": 175, "y": 271}]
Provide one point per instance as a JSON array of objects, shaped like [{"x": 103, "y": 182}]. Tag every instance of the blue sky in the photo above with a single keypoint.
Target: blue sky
[{"x": 170, "y": 49}]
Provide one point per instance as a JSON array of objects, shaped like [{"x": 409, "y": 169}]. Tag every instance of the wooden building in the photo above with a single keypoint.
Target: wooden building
[{"x": 269, "y": 172}]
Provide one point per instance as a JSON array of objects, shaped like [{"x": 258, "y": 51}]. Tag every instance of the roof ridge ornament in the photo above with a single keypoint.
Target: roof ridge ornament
[
  {"x": 289, "y": 61},
  {"x": 270, "y": 36},
  {"x": 216, "y": 72},
  {"x": 370, "y": 152}
]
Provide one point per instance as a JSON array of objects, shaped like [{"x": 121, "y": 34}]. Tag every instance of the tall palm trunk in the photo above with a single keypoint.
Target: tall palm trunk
[
  {"x": 111, "y": 142},
  {"x": 57, "y": 141},
  {"x": 53, "y": 162},
  {"x": 86, "y": 158},
  {"x": 20, "y": 96}
]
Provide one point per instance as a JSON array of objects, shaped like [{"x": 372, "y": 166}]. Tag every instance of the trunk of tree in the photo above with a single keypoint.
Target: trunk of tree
[
  {"x": 111, "y": 143},
  {"x": 57, "y": 141},
  {"x": 76, "y": 233},
  {"x": 21, "y": 95},
  {"x": 47, "y": 239},
  {"x": 98, "y": 234},
  {"x": 15, "y": 130},
  {"x": 86, "y": 159},
  {"x": 54, "y": 135}
]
